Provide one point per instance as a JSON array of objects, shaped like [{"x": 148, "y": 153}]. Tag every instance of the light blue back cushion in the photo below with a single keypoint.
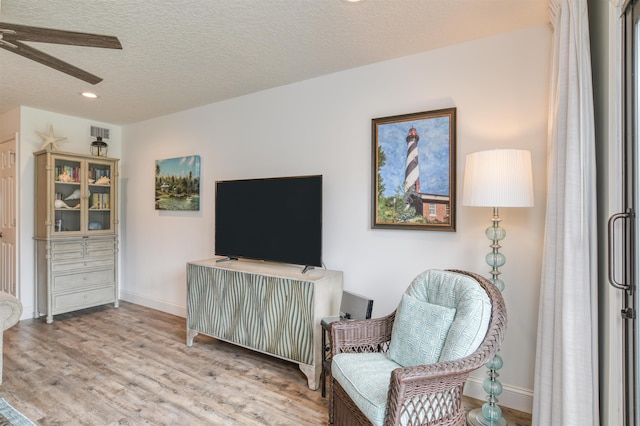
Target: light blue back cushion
[
  {"x": 471, "y": 302},
  {"x": 419, "y": 331}
]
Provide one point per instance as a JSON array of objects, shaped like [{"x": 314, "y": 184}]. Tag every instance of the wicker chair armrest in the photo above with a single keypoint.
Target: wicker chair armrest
[
  {"x": 370, "y": 335},
  {"x": 436, "y": 372},
  {"x": 429, "y": 389}
]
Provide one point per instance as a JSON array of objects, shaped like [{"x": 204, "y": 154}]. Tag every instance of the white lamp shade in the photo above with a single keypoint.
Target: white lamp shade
[{"x": 498, "y": 178}]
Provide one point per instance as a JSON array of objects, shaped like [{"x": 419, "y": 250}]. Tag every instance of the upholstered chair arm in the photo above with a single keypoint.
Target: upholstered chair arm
[
  {"x": 10, "y": 310},
  {"x": 370, "y": 335}
]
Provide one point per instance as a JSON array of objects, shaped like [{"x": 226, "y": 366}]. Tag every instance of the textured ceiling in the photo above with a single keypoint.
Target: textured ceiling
[{"x": 179, "y": 54}]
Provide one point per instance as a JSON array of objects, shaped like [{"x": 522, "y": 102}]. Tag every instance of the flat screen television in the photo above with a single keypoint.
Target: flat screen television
[{"x": 272, "y": 219}]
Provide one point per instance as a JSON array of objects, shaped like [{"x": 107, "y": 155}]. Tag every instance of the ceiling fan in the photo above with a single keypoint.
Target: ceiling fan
[{"x": 12, "y": 36}]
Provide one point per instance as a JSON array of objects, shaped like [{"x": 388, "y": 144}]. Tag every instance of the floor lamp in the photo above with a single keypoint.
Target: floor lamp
[{"x": 496, "y": 178}]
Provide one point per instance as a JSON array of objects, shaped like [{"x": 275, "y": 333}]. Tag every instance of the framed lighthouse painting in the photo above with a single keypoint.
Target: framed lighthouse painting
[{"x": 414, "y": 171}]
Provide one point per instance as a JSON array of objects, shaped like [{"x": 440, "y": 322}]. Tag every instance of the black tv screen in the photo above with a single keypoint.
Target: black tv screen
[{"x": 272, "y": 219}]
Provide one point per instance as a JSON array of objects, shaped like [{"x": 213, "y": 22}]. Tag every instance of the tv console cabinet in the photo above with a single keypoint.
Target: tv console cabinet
[{"x": 270, "y": 308}]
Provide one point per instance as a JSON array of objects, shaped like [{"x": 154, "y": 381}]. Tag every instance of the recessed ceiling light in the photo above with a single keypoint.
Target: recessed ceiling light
[{"x": 89, "y": 95}]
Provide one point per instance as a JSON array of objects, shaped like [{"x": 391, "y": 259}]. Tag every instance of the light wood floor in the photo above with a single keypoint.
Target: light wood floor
[{"x": 130, "y": 366}]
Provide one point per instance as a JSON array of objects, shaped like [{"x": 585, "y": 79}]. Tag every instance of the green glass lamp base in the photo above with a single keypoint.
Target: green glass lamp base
[{"x": 476, "y": 418}]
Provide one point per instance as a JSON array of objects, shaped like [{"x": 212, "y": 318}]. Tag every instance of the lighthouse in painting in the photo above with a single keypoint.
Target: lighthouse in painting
[{"x": 411, "y": 174}]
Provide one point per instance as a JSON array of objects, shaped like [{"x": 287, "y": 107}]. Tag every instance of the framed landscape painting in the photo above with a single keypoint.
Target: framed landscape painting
[
  {"x": 178, "y": 183},
  {"x": 414, "y": 171}
]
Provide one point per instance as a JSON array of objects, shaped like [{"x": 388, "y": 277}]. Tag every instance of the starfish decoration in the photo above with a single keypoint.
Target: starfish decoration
[{"x": 50, "y": 139}]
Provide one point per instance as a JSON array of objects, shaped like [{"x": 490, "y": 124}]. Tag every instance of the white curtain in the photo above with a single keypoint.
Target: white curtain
[{"x": 566, "y": 374}]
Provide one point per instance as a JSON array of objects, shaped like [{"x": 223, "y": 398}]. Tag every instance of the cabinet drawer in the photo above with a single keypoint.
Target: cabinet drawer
[
  {"x": 85, "y": 299},
  {"x": 82, "y": 265},
  {"x": 82, "y": 279},
  {"x": 67, "y": 250},
  {"x": 100, "y": 244},
  {"x": 101, "y": 252},
  {"x": 100, "y": 248},
  {"x": 63, "y": 250},
  {"x": 59, "y": 246}
]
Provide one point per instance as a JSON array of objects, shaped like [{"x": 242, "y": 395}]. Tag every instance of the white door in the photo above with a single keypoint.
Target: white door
[{"x": 8, "y": 217}]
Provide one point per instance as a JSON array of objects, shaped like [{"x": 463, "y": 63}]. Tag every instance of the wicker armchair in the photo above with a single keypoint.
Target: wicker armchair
[{"x": 416, "y": 395}]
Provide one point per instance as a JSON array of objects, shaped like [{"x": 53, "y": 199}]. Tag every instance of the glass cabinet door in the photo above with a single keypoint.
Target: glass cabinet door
[
  {"x": 99, "y": 189},
  {"x": 68, "y": 195}
]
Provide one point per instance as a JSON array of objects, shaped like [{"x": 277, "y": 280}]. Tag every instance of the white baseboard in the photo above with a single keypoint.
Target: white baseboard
[
  {"x": 28, "y": 312},
  {"x": 513, "y": 397},
  {"x": 159, "y": 305}
]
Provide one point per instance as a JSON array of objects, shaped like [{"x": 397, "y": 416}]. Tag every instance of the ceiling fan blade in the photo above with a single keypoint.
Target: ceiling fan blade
[
  {"x": 48, "y": 60},
  {"x": 46, "y": 35}
]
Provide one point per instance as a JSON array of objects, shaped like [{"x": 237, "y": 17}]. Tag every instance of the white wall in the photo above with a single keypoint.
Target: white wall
[{"x": 499, "y": 86}]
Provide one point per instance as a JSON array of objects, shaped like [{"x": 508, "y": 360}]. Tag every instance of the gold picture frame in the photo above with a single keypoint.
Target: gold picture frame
[{"x": 414, "y": 177}]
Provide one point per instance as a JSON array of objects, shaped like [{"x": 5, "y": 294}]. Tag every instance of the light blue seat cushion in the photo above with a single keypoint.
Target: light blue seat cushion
[
  {"x": 471, "y": 302},
  {"x": 365, "y": 378},
  {"x": 419, "y": 332}
]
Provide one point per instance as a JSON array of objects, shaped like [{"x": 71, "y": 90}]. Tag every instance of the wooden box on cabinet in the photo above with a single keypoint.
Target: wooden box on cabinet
[{"x": 76, "y": 241}]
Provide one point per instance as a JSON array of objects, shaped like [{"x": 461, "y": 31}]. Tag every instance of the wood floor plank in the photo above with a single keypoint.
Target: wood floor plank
[{"x": 131, "y": 366}]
